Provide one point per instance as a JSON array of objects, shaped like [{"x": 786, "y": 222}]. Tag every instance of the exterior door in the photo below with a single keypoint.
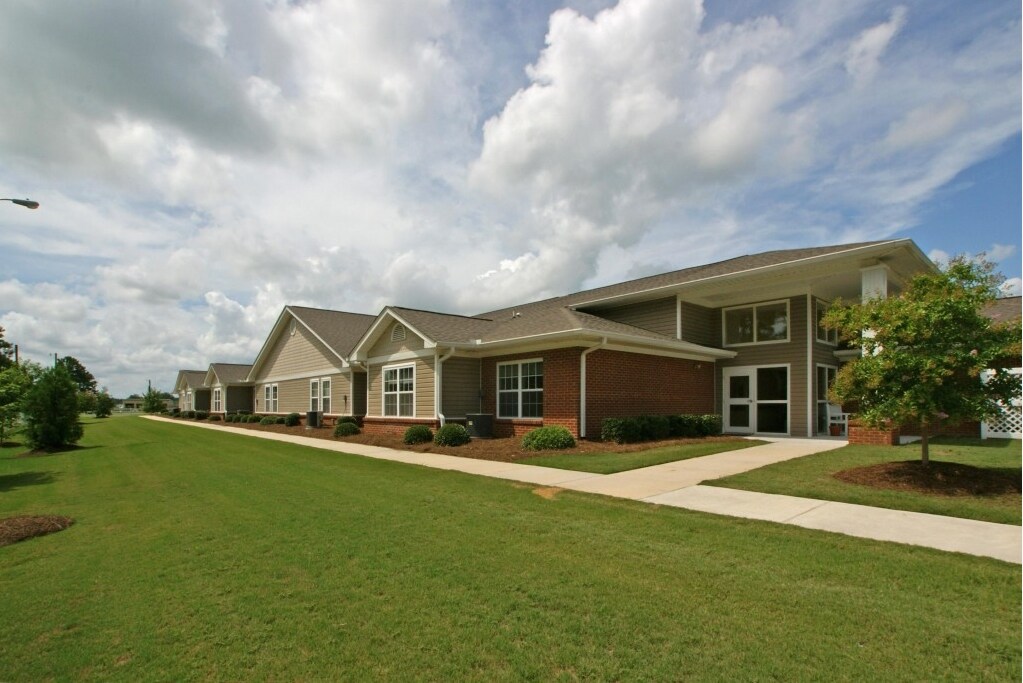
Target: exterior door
[{"x": 756, "y": 400}]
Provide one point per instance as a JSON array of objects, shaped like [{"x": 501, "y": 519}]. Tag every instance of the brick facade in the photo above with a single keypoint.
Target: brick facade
[
  {"x": 394, "y": 425},
  {"x": 560, "y": 391},
  {"x": 859, "y": 433}
]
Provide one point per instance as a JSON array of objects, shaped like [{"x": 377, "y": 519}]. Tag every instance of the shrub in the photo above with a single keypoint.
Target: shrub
[
  {"x": 708, "y": 425},
  {"x": 685, "y": 426},
  {"x": 349, "y": 419},
  {"x": 268, "y": 420},
  {"x": 292, "y": 419},
  {"x": 190, "y": 414},
  {"x": 202, "y": 414},
  {"x": 654, "y": 427},
  {"x": 50, "y": 408},
  {"x": 418, "y": 434},
  {"x": 243, "y": 412},
  {"x": 619, "y": 430},
  {"x": 345, "y": 429},
  {"x": 550, "y": 438},
  {"x": 451, "y": 434},
  {"x": 175, "y": 412},
  {"x": 280, "y": 420},
  {"x": 214, "y": 418}
]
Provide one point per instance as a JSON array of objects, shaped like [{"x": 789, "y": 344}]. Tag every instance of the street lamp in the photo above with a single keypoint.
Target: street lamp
[{"x": 27, "y": 203}]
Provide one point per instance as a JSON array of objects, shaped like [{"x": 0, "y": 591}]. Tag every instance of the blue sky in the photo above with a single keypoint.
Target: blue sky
[{"x": 200, "y": 165}]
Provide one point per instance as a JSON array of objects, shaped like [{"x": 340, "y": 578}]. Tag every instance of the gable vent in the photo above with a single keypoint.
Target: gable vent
[{"x": 398, "y": 333}]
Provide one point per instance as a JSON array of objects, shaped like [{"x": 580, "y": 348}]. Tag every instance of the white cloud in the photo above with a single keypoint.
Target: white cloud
[
  {"x": 863, "y": 59},
  {"x": 1012, "y": 287}
]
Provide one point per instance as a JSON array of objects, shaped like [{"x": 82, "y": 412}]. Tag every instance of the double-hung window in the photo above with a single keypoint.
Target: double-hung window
[
  {"x": 270, "y": 398},
  {"x": 825, "y": 334},
  {"x": 760, "y": 324},
  {"x": 319, "y": 395},
  {"x": 399, "y": 391},
  {"x": 217, "y": 401},
  {"x": 520, "y": 389}
]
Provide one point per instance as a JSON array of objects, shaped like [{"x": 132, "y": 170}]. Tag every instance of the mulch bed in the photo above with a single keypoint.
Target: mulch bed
[
  {"x": 503, "y": 450},
  {"x": 939, "y": 478},
  {"x": 14, "y": 529}
]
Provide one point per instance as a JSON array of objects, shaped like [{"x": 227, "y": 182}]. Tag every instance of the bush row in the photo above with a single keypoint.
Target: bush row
[{"x": 657, "y": 427}]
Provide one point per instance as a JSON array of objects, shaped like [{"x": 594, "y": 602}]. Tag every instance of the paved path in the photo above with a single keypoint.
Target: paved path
[{"x": 677, "y": 484}]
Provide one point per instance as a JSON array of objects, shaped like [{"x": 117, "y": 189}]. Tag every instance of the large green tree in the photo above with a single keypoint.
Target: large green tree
[
  {"x": 82, "y": 377},
  {"x": 51, "y": 410},
  {"x": 925, "y": 352},
  {"x": 15, "y": 382},
  {"x": 6, "y": 351}
]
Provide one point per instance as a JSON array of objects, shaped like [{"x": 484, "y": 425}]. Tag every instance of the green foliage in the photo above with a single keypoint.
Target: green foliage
[
  {"x": 619, "y": 430},
  {"x": 292, "y": 419},
  {"x": 6, "y": 352},
  {"x": 549, "y": 438},
  {"x": 418, "y": 434},
  {"x": 254, "y": 419},
  {"x": 82, "y": 378},
  {"x": 658, "y": 427},
  {"x": 925, "y": 349},
  {"x": 268, "y": 420},
  {"x": 349, "y": 419},
  {"x": 345, "y": 429},
  {"x": 214, "y": 417},
  {"x": 51, "y": 411},
  {"x": 86, "y": 401},
  {"x": 202, "y": 414},
  {"x": 190, "y": 414},
  {"x": 451, "y": 434},
  {"x": 14, "y": 384},
  {"x": 104, "y": 404},
  {"x": 279, "y": 420},
  {"x": 152, "y": 402}
]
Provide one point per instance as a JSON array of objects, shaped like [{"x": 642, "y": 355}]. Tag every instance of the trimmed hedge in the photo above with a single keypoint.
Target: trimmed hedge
[
  {"x": 451, "y": 434},
  {"x": 345, "y": 429},
  {"x": 190, "y": 414},
  {"x": 268, "y": 420},
  {"x": 658, "y": 427},
  {"x": 292, "y": 419},
  {"x": 214, "y": 418},
  {"x": 254, "y": 419},
  {"x": 202, "y": 414},
  {"x": 418, "y": 434},
  {"x": 348, "y": 419},
  {"x": 549, "y": 438},
  {"x": 280, "y": 420}
]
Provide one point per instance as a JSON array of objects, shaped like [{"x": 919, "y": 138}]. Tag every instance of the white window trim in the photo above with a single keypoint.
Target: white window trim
[
  {"x": 316, "y": 404},
  {"x": 818, "y": 304},
  {"x": 271, "y": 398},
  {"x": 788, "y": 324},
  {"x": 218, "y": 401},
  {"x": 498, "y": 392},
  {"x": 384, "y": 392}
]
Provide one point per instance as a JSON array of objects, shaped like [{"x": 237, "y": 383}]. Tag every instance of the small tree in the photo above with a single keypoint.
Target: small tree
[
  {"x": 104, "y": 404},
  {"x": 924, "y": 352},
  {"x": 6, "y": 352},
  {"x": 152, "y": 402},
  {"x": 86, "y": 401},
  {"x": 51, "y": 410},
  {"x": 14, "y": 384}
]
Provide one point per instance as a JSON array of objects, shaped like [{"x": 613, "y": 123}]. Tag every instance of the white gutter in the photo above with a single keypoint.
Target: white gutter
[
  {"x": 438, "y": 362},
  {"x": 582, "y": 385}
]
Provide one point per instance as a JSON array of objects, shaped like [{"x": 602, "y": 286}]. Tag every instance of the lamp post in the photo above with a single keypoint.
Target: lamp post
[{"x": 27, "y": 203}]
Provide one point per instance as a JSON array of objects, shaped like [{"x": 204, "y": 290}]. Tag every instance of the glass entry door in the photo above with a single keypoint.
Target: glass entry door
[{"x": 756, "y": 400}]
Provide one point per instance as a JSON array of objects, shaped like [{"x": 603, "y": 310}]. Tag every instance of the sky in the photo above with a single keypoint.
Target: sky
[{"x": 202, "y": 163}]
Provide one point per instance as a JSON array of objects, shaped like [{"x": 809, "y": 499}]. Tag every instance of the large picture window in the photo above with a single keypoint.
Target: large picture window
[
  {"x": 270, "y": 398},
  {"x": 520, "y": 389},
  {"x": 399, "y": 391},
  {"x": 760, "y": 324}
]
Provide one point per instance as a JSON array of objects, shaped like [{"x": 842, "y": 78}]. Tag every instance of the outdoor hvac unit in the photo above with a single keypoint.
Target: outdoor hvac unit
[
  {"x": 312, "y": 419},
  {"x": 480, "y": 425}
]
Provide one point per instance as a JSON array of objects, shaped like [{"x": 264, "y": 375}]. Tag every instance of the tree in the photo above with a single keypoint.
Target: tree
[
  {"x": 924, "y": 352},
  {"x": 82, "y": 377},
  {"x": 104, "y": 404},
  {"x": 6, "y": 352},
  {"x": 51, "y": 410},
  {"x": 152, "y": 402},
  {"x": 87, "y": 401},
  {"x": 15, "y": 382}
]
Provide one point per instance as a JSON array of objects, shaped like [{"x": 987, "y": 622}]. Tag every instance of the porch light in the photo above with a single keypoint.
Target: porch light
[{"x": 27, "y": 203}]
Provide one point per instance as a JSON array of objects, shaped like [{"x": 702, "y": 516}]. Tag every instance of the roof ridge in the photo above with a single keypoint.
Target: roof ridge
[
  {"x": 449, "y": 315},
  {"x": 328, "y": 310}
]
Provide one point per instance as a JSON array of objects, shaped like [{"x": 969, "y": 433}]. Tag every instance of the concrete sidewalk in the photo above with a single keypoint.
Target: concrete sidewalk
[{"x": 676, "y": 484}]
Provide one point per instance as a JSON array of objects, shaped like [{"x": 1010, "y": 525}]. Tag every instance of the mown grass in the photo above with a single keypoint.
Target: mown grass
[
  {"x": 609, "y": 463},
  {"x": 199, "y": 554},
  {"x": 813, "y": 477}
]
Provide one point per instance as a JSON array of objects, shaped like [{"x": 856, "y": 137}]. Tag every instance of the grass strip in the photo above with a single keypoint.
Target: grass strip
[{"x": 609, "y": 463}]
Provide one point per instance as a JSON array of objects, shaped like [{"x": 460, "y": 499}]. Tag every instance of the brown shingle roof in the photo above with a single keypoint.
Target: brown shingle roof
[
  {"x": 340, "y": 330},
  {"x": 230, "y": 373},
  {"x": 1005, "y": 309},
  {"x": 193, "y": 378}
]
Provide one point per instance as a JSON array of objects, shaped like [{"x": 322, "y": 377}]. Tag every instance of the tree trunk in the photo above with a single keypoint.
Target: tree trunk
[{"x": 925, "y": 456}]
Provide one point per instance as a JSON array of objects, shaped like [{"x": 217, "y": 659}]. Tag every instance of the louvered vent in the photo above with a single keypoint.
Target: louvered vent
[{"x": 398, "y": 333}]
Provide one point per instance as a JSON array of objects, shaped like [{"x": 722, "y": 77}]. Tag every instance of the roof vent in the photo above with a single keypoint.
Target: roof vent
[{"x": 398, "y": 333}]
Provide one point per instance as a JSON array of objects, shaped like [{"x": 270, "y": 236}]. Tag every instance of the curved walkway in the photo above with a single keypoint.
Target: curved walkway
[{"x": 677, "y": 484}]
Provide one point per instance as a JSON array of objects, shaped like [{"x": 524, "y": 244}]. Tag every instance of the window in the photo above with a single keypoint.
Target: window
[
  {"x": 216, "y": 401},
  {"x": 319, "y": 395},
  {"x": 399, "y": 391},
  {"x": 270, "y": 398},
  {"x": 758, "y": 324},
  {"x": 188, "y": 401},
  {"x": 520, "y": 389},
  {"x": 825, "y": 334}
]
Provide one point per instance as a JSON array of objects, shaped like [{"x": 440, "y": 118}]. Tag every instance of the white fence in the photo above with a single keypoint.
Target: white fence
[{"x": 1008, "y": 425}]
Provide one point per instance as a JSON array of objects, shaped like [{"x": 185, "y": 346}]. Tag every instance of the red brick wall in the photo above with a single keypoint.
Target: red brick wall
[
  {"x": 620, "y": 384},
  {"x": 560, "y": 391},
  {"x": 394, "y": 425},
  {"x": 862, "y": 434},
  {"x": 965, "y": 429}
]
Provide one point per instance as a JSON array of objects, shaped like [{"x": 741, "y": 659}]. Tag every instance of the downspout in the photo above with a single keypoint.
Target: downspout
[
  {"x": 582, "y": 384},
  {"x": 438, "y": 361}
]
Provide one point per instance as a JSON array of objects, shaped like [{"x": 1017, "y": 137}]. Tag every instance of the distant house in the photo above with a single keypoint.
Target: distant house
[
  {"x": 192, "y": 393},
  {"x": 230, "y": 391}
]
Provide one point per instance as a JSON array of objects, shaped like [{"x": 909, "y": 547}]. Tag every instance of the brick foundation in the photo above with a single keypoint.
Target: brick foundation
[
  {"x": 394, "y": 425},
  {"x": 862, "y": 434}
]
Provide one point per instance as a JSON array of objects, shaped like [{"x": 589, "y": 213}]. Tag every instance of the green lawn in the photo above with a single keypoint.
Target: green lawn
[
  {"x": 199, "y": 554},
  {"x": 811, "y": 477},
  {"x": 609, "y": 463}
]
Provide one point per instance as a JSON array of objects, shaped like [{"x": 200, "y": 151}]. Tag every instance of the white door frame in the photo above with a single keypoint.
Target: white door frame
[{"x": 752, "y": 401}]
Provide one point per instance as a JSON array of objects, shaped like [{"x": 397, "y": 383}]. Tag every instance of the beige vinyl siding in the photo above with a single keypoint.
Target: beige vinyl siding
[
  {"x": 423, "y": 387},
  {"x": 298, "y": 354},
  {"x": 385, "y": 347},
  {"x": 701, "y": 325},
  {"x": 793, "y": 353},
  {"x": 657, "y": 316},
  {"x": 460, "y": 388},
  {"x": 340, "y": 394}
]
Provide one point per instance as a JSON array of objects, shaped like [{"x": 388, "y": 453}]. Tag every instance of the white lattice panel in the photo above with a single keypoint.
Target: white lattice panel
[{"x": 1008, "y": 425}]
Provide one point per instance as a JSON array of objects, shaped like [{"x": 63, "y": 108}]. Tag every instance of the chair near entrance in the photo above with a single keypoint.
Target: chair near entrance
[{"x": 838, "y": 421}]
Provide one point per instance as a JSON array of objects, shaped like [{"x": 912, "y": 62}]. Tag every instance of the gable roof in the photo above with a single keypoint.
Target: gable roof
[
  {"x": 337, "y": 330},
  {"x": 1005, "y": 309},
  {"x": 227, "y": 373},
  {"x": 190, "y": 379}
]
